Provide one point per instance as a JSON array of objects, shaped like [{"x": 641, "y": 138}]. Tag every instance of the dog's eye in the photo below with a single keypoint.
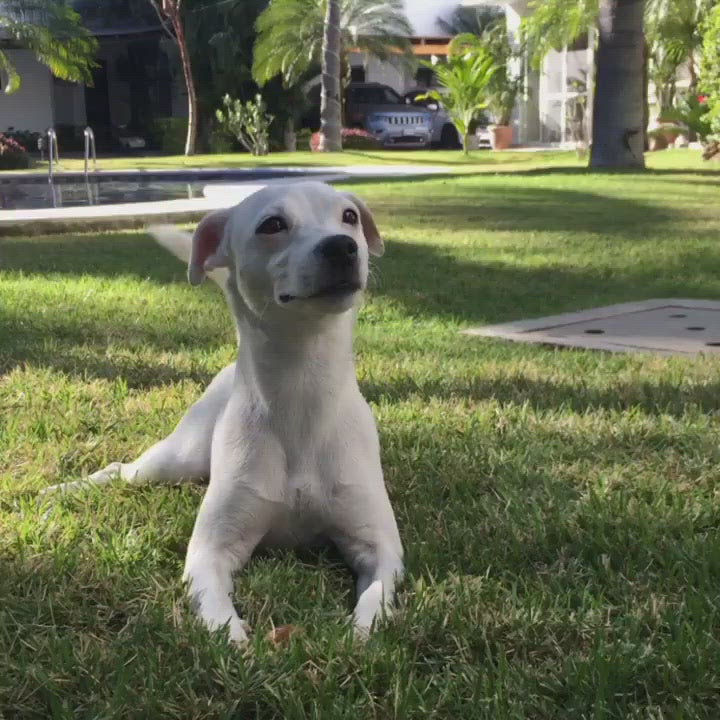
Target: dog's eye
[
  {"x": 350, "y": 217},
  {"x": 272, "y": 225}
]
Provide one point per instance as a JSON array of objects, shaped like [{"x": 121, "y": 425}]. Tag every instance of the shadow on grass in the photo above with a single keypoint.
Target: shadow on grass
[
  {"x": 431, "y": 282},
  {"x": 661, "y": 396}
]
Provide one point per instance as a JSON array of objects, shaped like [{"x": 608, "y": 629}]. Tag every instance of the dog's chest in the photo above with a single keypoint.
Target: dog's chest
[{"x": 302, "y": 519}]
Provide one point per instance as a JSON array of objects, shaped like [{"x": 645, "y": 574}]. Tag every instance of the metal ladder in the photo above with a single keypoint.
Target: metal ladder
[
  {"x": 89, "y": 143},
  {"x": 52, "y": 152}
]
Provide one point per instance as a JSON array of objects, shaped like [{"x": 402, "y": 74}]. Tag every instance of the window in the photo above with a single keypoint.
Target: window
[
  {"x": 424, "y": 77},
  {"x": 357, "y": 73}
]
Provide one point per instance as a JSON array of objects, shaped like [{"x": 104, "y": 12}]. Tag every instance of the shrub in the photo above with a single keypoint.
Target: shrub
[
  {"x": 169, "y": 135},
  {"x": 220, "y": 142},
  {"x": 710, "y": 69},
  {"x": 13, "y": 155},
  {"x": 303, "y": 138},
  {"x": 249, "y": 122},
  {"x": 27, "y": 138},
  {"x": 352, "y": 139}
]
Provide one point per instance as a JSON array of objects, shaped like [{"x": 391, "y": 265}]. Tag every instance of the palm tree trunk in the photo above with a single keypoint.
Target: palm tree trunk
[
  {"x": 330, "y": 114},
  {"x": 618, "y": 133}
]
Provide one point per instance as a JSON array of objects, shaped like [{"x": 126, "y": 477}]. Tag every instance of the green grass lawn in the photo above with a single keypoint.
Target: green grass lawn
[
  {"x": 480, "y": 159},
  {"x": 560, "y": 509},
  {"x": 454, "y": 160}
]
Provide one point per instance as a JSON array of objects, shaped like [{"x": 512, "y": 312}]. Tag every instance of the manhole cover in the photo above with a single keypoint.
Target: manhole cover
[{"x": 667, "y": 326}]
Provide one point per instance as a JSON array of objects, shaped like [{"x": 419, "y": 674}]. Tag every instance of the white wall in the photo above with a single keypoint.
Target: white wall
[
  {"x": 30, "y": 108},
  {"x": 423, "y": 15}
]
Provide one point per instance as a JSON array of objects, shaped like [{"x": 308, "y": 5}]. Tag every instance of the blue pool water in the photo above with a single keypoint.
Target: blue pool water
[
  {"x": 73, "y": 190},
  {"x": 19, "y": 195}
]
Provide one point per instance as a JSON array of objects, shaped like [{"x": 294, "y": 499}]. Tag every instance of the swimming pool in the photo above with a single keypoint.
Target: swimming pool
[{"x": 29, "y": 192}]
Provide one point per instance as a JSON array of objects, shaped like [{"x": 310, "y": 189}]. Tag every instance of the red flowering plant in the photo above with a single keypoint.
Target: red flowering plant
[
  {"x": 691, "y": 112},
  {"x": 13, "y": 155},
  {"x": 352, "y": 139}
]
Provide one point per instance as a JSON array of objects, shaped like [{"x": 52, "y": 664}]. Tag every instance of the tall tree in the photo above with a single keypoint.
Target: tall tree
[
  {"x": 330, "y": 108},
  {"x": 291, "y": 38},
  {"x": 52, "y": 31},
  {"x": 618, "y": 109},
  {"x": 619, "y": 102},
  {"x": 170, "y": 11}
]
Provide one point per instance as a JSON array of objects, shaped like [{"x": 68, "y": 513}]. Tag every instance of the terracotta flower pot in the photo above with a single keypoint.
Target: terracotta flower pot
[
  {"x": 501, "y": 136},
  {"x": 657, "y": 141},
  {"x": 670, "y": 131}
]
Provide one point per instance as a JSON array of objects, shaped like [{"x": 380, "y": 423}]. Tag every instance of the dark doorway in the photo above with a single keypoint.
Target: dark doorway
[{"x": 97, "y": 100}]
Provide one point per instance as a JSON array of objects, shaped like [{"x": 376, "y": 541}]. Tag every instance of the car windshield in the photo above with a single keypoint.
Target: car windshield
[
  {"x": 390, "y": 97},
  {"x": 376, "y": 96}
]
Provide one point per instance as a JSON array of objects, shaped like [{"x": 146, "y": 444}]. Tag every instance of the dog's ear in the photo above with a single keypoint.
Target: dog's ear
[
  {"x": 208, "y": 250},
  {"x": 372, "y": 234}
]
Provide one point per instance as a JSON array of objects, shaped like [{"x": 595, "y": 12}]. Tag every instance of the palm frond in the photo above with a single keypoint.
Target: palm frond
[
  {"x": 55, "y": 34},
  {"x": 289, "y": 35},
  {"x": 11, "y": 79}
]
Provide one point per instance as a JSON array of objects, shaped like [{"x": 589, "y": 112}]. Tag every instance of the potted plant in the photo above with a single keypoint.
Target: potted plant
[
  {"x": 501, "y": 101},
  {"x": 503, "y": 87}
]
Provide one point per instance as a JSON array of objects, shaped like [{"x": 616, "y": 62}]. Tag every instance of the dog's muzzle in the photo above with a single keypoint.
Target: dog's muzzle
[{"x": 339, "y": 268}]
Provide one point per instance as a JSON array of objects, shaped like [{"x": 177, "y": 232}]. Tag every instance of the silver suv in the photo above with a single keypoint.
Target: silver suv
[
  {"x": 383, "y": 113},
  {"x": 444, "y": 133}
]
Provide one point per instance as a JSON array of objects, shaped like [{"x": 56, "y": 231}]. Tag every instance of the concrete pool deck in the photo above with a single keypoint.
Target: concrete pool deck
[{"x": 217, "y": 195}]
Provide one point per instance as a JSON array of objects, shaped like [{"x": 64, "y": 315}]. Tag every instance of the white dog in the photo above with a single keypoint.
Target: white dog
[{"x": 284, "y": 435}]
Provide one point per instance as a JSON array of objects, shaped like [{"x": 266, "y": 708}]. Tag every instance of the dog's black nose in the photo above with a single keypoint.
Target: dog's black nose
[{"x": 338, "y": 250}]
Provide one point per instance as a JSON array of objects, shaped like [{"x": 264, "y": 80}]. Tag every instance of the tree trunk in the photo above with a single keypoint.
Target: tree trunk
[
  {"x": 618, "y": 134},
  {"x": 646, "y": 99},
  {"x": 171, "y": 10},
  {"x": 289, "y": 137},
  {"x": 189, "y": 84},
  {"x": 330, "y": 114}
]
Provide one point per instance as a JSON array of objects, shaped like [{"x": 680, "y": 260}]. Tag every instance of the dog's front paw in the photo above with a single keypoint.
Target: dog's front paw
[
  {"x": 361, "y": 634},
  {"x": 239, "y": 631}
]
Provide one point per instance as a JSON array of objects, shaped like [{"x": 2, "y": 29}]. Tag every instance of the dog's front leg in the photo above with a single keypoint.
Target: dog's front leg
[
  {"x": 236, "y": 513},
  {"x": 368, "y": 538},
  {"x": 229, "y": 526}
]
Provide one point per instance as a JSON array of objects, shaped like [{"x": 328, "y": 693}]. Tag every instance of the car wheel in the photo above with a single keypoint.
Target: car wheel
[{"x": 449, "y": 137}]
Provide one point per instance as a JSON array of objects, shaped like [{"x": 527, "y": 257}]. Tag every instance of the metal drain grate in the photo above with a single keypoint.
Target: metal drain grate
[{"x": 666, "y": 326}]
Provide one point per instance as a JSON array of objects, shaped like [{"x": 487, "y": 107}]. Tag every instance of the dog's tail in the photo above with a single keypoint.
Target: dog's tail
[{"x": 179, "y": 243}]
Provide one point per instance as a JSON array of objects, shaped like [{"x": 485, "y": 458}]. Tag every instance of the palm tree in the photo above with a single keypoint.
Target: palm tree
[
  {"x": 619, "y": 105},
  {"x": 619, "y": 110},
  {"x": 330, "y": 106},
  {"x": 292, "y": 38},
  {"x": 54, "y": 33},
  {"x": 473, "y": 20}
]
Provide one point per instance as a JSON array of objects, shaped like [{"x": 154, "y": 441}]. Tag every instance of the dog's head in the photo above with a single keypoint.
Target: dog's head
[{"x": 302, "y": 246}]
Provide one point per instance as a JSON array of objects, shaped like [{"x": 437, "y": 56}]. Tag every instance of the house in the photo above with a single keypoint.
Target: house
[
  {"x": 556, "y": 102},
  {"x": 551, "y": 108},
  {"x": 429, "y": 38},
  {"x": 134, "y": 81}
]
